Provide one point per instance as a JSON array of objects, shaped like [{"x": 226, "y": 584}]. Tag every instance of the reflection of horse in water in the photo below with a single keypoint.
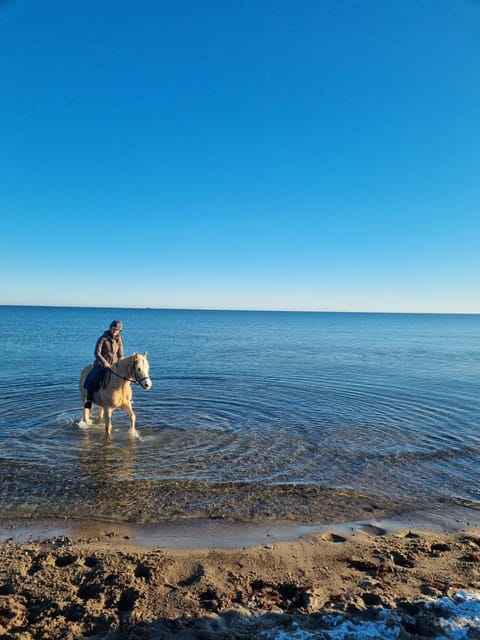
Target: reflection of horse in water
[{"x": 116, "y": 392}]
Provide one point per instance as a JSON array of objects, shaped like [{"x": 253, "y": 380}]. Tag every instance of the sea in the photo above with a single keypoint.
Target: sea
[{"x": 307, "y": 417}]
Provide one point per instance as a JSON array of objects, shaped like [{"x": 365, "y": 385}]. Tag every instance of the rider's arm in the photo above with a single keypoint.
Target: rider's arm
[{"x": 98, "y": 352}]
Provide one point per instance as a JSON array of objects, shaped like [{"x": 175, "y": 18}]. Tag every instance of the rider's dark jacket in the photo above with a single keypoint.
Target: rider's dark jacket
[{"x": 108, "y": 349}]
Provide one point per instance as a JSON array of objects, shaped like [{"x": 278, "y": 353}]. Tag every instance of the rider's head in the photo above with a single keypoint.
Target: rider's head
[{"x": 115, "y": 327}]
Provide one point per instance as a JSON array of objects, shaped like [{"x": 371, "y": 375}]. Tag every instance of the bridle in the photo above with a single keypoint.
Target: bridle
[{"x": 136, "y": 381}]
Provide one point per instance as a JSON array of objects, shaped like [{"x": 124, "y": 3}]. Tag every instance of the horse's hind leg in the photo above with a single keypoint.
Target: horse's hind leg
[{"x": 87, "y": 413}]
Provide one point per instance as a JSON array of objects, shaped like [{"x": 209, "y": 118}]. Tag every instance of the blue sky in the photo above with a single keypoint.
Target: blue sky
[{"x": 317, "y": 155}]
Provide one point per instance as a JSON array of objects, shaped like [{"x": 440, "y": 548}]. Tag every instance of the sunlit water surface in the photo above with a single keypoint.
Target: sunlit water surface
[{"x": 251, "y": 414}]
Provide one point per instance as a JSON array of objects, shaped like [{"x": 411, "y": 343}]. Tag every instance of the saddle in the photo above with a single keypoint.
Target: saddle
[{"x": 96, "y": 379}]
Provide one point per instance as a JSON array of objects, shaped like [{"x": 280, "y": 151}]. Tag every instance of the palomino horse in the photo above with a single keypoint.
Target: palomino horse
[{"x": 116, "y": 393}]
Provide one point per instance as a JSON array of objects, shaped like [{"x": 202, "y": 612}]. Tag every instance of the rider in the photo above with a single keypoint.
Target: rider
[{"x": 108, "y": 350}]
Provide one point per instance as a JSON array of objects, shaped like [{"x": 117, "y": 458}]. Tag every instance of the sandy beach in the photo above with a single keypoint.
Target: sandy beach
[{"x": 358, "y": 579}]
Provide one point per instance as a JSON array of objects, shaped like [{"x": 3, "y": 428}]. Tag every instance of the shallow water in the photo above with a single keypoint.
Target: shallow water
[{"x": 252, "y": 414}]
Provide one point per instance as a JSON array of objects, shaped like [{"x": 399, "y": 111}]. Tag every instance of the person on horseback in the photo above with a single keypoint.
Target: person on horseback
[{"x": 108, "y": 350}]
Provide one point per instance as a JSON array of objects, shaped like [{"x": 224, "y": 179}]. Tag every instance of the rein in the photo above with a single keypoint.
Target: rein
[{"x": 123, "y": 377}]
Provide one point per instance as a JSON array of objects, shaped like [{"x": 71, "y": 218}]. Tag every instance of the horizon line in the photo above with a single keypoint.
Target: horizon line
[{"x": 236, "y": 309}]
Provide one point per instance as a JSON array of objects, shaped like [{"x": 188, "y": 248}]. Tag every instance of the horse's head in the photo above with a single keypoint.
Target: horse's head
[{"x": 141, "y": 367}]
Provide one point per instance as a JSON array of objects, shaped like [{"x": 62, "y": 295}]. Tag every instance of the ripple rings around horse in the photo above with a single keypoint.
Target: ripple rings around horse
[{"x": 116, "y": 392}]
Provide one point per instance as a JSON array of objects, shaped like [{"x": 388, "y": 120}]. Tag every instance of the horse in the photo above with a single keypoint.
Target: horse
[{"x": 116, "y": 392}]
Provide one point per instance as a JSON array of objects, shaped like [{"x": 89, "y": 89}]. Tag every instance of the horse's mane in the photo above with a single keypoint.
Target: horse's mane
[
  {"x": 132, "y": 355},
  {"x": 125, "y": 359}
]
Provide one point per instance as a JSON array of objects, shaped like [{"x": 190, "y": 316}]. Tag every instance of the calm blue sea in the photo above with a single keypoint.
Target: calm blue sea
[{"x": 311, "y": 416}]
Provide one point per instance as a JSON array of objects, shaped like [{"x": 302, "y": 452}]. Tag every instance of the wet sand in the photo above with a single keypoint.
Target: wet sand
[
  {"x": 221, "y": 580},
  {"x": 197, "y": 533}
]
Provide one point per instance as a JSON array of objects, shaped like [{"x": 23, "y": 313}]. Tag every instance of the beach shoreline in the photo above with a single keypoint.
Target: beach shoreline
[
  {"x": 105, "y": 580},
  {"x": 205, "y": 533}
]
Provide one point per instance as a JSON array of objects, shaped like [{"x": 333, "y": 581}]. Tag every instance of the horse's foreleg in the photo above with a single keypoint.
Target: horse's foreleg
[
  {"x": 108, "y": 419},
  {"x": 133, "y": 418}
]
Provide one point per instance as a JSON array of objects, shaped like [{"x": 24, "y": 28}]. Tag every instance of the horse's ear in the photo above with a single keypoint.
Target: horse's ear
[{"x": 145, "y": 354}]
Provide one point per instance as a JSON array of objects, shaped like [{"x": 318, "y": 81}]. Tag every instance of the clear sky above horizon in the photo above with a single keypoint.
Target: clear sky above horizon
[{"x": 311, "y": 155}]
